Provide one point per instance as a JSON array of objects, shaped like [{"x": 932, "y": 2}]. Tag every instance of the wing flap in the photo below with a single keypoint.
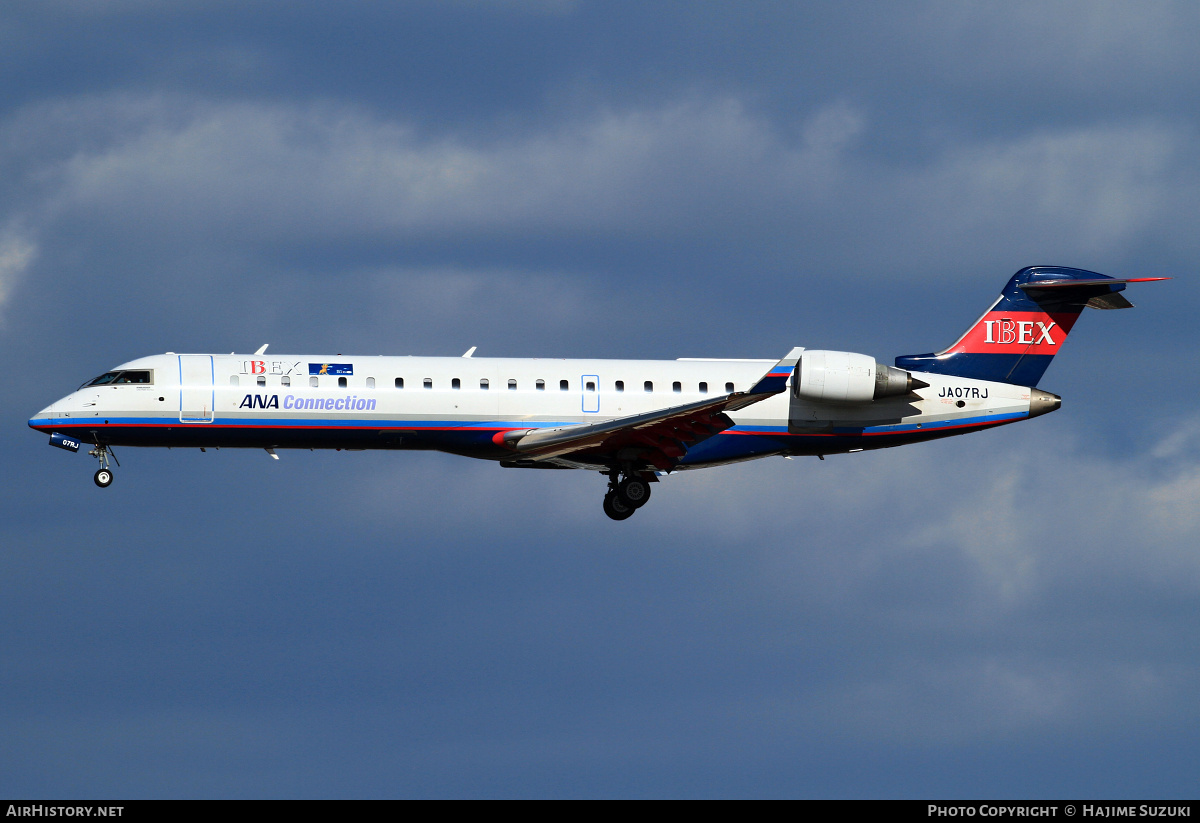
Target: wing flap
[{"x": 546, "y": 441}]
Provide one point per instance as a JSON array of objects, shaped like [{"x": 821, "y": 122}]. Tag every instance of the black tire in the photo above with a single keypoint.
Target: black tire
[
  {"x": 103, "y": 478},
  {"x": 615, "y": 509},
  {"x": 634, "y": 491}
]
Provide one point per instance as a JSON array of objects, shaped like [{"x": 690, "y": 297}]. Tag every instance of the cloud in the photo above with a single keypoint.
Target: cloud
[
  {"x": 949, "y": 593},
  {"x": 194, "y": 174},
  {"x": 335, "y": 171},
  {"x": 1100, "y": 47},
  {"x": 1032, "y": 588},
  {"x": 989, "y": 698},
  {"x": 1098, "y": 188},
  {"x": 17, "y": 254}
]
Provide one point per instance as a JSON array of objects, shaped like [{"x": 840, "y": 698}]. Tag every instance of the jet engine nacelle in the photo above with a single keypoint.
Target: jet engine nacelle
[{"x": 846, "y": 377}]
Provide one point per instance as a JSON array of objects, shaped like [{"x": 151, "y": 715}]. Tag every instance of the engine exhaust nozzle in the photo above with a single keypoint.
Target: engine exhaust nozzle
[{"x": 891, "y": 381}]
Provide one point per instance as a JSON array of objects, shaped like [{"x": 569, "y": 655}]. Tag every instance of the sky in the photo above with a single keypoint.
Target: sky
[{"x": 1011, "y": 614}]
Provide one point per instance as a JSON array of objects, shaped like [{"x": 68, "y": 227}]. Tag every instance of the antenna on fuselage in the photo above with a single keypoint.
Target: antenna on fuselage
[
  {"x": 470, "y": 351},
  {"x": 262, "y": 348}
]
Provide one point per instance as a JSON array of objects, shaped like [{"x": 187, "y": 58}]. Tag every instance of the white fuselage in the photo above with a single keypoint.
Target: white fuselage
[{"x": 458, "y": 404}]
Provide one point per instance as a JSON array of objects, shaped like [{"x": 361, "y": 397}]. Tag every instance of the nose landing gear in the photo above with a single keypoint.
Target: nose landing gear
[
  {"x": 625, "y": 495},
  {"x": 103, "y": 475}
]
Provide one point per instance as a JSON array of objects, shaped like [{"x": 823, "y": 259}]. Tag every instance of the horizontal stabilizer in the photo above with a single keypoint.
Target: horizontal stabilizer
[
  {"x": 1109, "y": 301},
  {"x": 1074, "y": 284}
]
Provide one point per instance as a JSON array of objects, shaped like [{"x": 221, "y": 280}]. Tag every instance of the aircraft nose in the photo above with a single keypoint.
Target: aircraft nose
[{"x": 43, "y": 418}]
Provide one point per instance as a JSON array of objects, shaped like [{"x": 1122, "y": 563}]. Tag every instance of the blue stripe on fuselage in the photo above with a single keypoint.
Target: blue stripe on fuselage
[{"x": 474, "y": 437}]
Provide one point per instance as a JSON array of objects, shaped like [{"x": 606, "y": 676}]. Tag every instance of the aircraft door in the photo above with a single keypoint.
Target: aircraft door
[
  {"x": 590, "y": 384},
  {"x": 196, "y": 388}
]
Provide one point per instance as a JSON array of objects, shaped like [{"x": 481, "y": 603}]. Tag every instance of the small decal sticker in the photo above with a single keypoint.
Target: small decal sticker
[{"x": 331, "y": 368}]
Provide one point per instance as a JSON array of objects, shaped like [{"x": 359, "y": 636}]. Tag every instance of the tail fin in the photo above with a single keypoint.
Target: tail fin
[{"x": 1019, "y": 335}]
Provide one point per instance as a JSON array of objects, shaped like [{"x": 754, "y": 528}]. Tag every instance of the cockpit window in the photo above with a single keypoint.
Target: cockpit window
[
  {"x": 104, "y": 379},
  {"x": 114, "y": 377}
]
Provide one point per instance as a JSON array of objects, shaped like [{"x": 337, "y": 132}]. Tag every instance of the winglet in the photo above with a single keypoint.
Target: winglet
[{"x": 776, "y": 379}]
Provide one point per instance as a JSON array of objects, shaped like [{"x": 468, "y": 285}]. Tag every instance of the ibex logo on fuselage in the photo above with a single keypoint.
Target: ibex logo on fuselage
[{"x": 1006, "y": 330}]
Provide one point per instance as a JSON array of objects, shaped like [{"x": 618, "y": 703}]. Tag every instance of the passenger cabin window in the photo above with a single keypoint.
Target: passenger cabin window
[
  {"x": 370, "y": 382},
  {"x": 261, "y": 380},
  {"x": 540, "y": 385},
  {"x": 649, "y": 385},
  {"x": 728, "y": 388},
  {"x": 428, "y": 382},
  {"x": 703, "y": 388},
  {"x": 456, "y": 383},
  {"x": 312, "y": 381},
  {"x": 512, "y": 384},
  {"x": 677, "y": 387},
  {"x": 341, "y": 382},
  {"x": 399, "y": 382},
  {"x": 285, "y": 381},
  {"x": 563, "y": 385},
  {"x": 233, "y": 380},
  {"x": 620, "y": 385},
  {"x": 483, "y": 384}
]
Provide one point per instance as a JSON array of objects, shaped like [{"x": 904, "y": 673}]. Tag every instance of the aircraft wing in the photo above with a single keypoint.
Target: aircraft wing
[{"x": 659, "y": 437}]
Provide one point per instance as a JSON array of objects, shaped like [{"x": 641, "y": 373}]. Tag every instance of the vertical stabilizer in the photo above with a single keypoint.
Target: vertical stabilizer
[{"x": 1015, "y": 340}]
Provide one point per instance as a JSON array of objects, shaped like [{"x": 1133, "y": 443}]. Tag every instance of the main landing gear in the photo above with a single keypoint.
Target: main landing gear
[
  {"x": 625, "y": 495},
  {"x": 104, "y": 475}
]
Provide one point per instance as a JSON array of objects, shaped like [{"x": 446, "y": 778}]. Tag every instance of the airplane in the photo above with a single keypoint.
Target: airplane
[{"x": 631, "y": 420}]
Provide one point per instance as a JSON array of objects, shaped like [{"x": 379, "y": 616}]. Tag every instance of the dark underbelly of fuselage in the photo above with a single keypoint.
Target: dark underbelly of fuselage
[{"x": 472, "y": 443}]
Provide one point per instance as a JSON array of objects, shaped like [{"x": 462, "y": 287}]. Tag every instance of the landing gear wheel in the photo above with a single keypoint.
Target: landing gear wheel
[
  {"x": 634, "y": 491},
  {"x": 615, "y": 509},
  {"x": 104, "y": 475}
]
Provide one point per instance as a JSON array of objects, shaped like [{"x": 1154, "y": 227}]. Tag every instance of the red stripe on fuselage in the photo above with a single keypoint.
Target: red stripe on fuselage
[{"x": 931, "y": 428}]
